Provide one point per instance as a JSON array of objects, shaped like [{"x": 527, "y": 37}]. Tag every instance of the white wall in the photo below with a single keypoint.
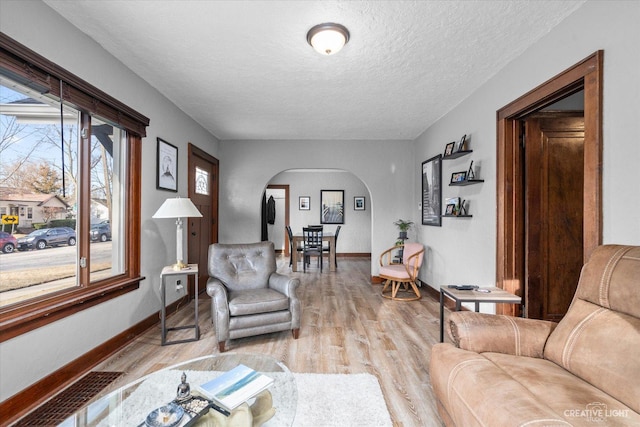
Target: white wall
[
  {"x": 464, "y": 250},
  {"x": 384, "y": 167},
  {"x": 355, "y": 234},
  {"x": 30, "y": 357}
]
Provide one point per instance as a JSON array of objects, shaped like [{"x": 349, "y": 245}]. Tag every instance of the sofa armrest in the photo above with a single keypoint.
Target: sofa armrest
[
  {"x": 219, "y": 308},
  {"x": 481, "y": 332}
]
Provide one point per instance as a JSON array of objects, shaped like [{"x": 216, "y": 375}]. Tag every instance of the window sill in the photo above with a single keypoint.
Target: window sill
[{"x": 26, "y": 317}]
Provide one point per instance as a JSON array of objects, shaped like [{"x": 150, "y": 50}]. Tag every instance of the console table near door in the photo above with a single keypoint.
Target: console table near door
[
  {"x": 329, "y": 237},
  {"x": 496, "y": 296},
  {"x": 168, "y": 271}
]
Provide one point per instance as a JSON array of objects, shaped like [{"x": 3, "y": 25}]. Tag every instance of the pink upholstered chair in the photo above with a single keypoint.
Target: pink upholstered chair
[{"x": 402, "y": 277}]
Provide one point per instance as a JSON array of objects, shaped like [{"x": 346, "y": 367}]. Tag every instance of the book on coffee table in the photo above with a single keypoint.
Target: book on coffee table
[{"x": 235, "y": 387}]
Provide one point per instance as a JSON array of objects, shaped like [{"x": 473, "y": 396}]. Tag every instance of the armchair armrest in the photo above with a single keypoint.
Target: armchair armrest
[
  {"x": 284, "y": 284},
  {"x": 287, "y": 285},
  {"x": 385, "y": 257},
  {"x": 219, "y": 308},
  {"x": 480, "y": 332}
]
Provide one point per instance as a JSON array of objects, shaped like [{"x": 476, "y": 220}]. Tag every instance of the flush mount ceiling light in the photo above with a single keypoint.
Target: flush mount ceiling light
[{"x": 328, "y": 38}]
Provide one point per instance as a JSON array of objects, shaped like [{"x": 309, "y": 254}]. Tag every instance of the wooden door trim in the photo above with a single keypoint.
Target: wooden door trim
[
  {"x": 586, "y": 75},
  {"x": 195, "y": 151},
  {"x": 284, "y": 187}
]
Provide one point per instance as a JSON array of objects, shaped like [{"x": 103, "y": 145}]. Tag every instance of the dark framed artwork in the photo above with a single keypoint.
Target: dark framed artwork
[
  {"x": 358, "y": 203},
  {"x": 332, "y": 206},
  {"x": 432, "y": 191},
  {"x": 167, "y": 166},
  {"x": 304, "y": 203}
]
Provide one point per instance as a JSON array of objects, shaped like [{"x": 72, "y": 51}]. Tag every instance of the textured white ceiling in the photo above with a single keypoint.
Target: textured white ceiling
[{"x": 243, "y": 69}]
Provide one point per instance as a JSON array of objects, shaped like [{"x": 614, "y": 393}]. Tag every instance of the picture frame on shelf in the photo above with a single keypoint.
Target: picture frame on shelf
[
  {"x": 452, "y": 206},
  {"x": 432, "y": 191},
  {"x": 460, "y": 146},
  {"x": 166, "y": 166},
  {"x": 304, "y": 203},
  {"x": 358, "y": 203},
  {"x": 457, "y": 177},
  {"x": 448, "y": 149},
  {"x": 331, "y": 206}
]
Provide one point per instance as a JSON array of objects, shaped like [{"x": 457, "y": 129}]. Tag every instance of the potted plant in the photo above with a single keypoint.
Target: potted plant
[{"x": 403, "y": 226}]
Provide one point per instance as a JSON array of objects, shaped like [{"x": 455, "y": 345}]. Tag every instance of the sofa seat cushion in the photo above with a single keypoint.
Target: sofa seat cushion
[
  {"x": 491, "y": 389},
  {"x": 577, "y": 401},
  {"x": 397, "y": 271},
  {"x": 242, "y": 303}
]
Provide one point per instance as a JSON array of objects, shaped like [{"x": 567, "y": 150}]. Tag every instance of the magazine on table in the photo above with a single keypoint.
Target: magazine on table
[{"x": 235, "y": 387}]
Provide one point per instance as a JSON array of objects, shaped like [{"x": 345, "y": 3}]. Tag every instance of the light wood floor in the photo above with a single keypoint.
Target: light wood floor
[{"x": 347, "y": 327}]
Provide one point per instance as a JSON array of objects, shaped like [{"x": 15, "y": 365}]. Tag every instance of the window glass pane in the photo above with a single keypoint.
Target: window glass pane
[
  {"x": 108, "y": 186},
  {"x": 202, "y": 181},
  {"x": 38, "y": 177}
]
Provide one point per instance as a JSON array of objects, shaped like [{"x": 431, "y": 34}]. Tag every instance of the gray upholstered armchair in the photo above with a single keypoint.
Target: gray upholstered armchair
[{"x": 248, "y": 297}]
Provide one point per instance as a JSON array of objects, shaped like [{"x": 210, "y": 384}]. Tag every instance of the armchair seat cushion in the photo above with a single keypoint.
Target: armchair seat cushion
[
  {"x": 394, "y": 270},
  {"x": 264, "y": 320},
  {"x": 256, "y": 301}
]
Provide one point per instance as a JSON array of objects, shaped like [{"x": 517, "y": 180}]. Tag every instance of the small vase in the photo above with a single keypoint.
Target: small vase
[{"x": 403, "y": 234}]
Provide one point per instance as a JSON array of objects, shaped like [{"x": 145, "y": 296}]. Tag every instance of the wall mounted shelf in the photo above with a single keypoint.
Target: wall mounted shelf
[
  {"x": 456, "y": 216},
  {"x": 457, "y": 154},
  {"x": 466, "y": 182}
]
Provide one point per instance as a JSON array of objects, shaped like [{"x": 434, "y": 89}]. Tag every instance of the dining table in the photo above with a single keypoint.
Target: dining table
[{"x": 298, "y": 240}]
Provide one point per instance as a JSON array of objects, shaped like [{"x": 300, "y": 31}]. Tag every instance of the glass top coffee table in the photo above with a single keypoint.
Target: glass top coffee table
[{"x": 131, "y": 404}]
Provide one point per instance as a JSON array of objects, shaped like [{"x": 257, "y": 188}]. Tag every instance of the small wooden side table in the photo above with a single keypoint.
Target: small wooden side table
[
  {"x": 496, "y": 296},
  {"x": 168, "y": 271}
]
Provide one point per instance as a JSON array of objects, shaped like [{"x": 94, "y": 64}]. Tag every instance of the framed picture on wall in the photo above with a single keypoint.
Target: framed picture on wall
[
  {"x": 331, "y": 206},
  {"x": 432, "y": 191},
  {"x": 358, "y": 203},
  {"x": 304, "y": 203},
  {"x": 167, "y": 166}
]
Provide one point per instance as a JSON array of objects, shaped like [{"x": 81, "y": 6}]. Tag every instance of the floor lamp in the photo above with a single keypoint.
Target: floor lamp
[{"x": 178, "y": 208}]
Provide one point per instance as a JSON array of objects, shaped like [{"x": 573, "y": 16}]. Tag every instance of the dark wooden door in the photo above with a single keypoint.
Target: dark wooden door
[
  {"x": 554, "y": 181},
  {"x": 203, "y": 192}
]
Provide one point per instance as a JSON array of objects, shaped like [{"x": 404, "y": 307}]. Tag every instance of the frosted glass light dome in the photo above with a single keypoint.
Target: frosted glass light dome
[{"x": 328, "y": 38}]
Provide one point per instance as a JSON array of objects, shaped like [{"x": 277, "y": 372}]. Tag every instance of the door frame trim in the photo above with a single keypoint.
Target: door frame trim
[
  {"x": 284, "y": 187},
  {"x": 586, "y": 75}
]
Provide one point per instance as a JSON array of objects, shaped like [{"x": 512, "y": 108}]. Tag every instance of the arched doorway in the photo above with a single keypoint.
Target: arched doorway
[{"x": 304, "y": 187}]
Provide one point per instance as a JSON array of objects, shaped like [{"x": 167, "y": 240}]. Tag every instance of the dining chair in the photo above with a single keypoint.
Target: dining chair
[
  {"x": 291, "y": 248},
  {"x": 312, "y": 246},
  {"x": 327, "y": 249}
]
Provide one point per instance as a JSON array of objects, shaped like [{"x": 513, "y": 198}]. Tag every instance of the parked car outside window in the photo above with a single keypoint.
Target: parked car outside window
[
  {"x": 8, "y": 242},
  {"x": 44, "y": 237},
  {"x": 100, "y": 232}
]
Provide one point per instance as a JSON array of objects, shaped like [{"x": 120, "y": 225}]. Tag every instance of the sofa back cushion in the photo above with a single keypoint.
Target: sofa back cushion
[
  {"x": 599, "y": 337},
  {"x": 242, "y": 266}
]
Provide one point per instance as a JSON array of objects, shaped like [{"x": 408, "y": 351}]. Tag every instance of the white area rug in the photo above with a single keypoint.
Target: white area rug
[{"x": 323, "y": 400}]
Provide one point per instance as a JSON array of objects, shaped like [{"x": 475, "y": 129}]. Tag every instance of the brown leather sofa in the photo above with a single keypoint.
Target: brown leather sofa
[{"x": 584, "y": 371}]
